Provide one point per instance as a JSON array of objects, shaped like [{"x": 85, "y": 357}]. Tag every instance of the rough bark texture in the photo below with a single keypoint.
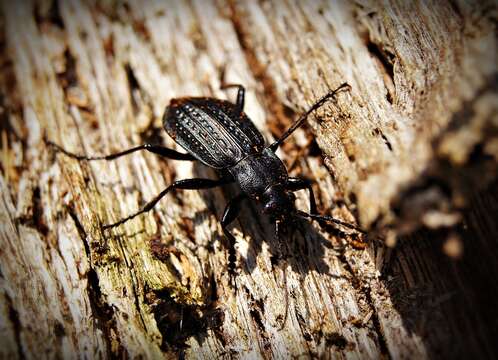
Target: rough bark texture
[{"x": 407, "y": 148}]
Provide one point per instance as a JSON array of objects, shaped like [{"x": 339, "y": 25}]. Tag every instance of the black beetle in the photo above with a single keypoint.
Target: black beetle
[{"x": 219, "y": 134}]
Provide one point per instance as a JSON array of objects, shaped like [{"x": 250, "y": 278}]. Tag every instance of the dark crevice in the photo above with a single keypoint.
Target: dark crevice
[
  {"x": 177, "y": 322},
  {"x": 152, "y": 135},
  {"x": 35, "y": 218},
  {"x": 213, "y": 289},
  {"x": 38, "y": 218},
  {"x": 59, "y": 330},
  {"x": 10, "y": 99},
  {"x": 387, "y": 142},
  {"x": 81, "y": 231},
  {"x": 313, "y": 149},
  {"x": 385, "y": 57},
  {"x": 69, "y": 77},
  {"x": 16, "y": 323},
  {"x": 386, "y": 60},
  {"x": 102, "y": 312},
  {"x": 134, "y": 87},
  {"x": 52, "y": 16},
  {"x": 132, "y": 80},
  {"x": 140, "y": 28},
  {"x": 258, "y": 320},
  {"x": 302, "y": 325},
  {"x": 456, "y": 8},
  {"x": 162, "y": 251},
  {"x": 380, "y": 133},
  {"x": 257, "y": 312},
  {"x": 5, "y": 124},
  {"x": 337, "y": 340}
]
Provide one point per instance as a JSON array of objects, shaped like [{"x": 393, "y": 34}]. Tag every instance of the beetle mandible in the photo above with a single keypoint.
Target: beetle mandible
[{"x": 220, "y": 135}]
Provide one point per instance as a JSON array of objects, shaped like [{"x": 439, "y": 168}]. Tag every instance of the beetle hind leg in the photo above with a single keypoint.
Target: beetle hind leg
[
  {"x": 156, "y": 149},
  {"x": 186, "y": 184}
]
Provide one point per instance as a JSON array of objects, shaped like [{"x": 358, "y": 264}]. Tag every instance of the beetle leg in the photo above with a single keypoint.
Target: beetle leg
[
  {"x": 229, "y": 215},
  {"x": 168, "y": 153},
  {"x": 240, "y": 94},
  {"x": 295, "y": 184},
  {"x": 156, "y": 149},
  {"x": 186, "y": 184},
  {"x": 304, "y": 116}
]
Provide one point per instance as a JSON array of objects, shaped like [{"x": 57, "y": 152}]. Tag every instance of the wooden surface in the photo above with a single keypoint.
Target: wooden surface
[{"x": 404, "y": 154}]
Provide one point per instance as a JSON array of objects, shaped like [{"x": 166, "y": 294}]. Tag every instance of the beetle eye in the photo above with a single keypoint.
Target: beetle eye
[
  {"x": 273, "y": 206},
  {"x": 269, "y": 207}
]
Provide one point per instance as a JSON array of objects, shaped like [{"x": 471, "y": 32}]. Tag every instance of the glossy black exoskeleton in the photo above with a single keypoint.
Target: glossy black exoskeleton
[{"x": 220, "y": 135}]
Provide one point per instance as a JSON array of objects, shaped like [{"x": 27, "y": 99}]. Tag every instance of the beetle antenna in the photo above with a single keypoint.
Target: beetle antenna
[
  {"x": 317, "y": 217},
  {"x": 304, "y": 116}
]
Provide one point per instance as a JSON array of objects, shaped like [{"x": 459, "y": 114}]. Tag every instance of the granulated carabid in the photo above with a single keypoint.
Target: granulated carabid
[{"x": 220, "y": 135}]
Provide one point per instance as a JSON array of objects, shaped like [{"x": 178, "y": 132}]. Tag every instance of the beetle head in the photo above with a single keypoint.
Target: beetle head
[{"x": 278, "y": 202}]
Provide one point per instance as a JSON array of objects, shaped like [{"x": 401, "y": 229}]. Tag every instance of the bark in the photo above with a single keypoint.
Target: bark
[{"x": 410, "y": 153}]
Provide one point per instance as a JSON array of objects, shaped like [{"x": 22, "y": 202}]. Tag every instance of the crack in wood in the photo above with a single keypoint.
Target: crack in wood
[
  {"x": 103, "y": 313},
  {"x": 178, "y": 322},
  {"x": 17, "y": 326},
  {"x": 386, "y": 60},
  {"x": 278, "y": 112}
]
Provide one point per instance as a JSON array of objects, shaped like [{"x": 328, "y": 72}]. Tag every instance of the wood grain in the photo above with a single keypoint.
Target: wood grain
[{"x": 403, "y": 153}]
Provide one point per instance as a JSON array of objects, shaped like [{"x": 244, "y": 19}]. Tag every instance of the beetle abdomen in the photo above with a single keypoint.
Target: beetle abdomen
[{"x": 212, "y": 130}]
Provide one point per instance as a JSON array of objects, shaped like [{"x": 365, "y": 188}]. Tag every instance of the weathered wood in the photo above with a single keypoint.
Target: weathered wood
[{"x": 406, "y": 148}]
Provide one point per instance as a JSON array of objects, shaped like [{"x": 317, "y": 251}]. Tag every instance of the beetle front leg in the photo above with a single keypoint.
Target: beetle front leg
[
  {"x": 240, "y": 94},
  {"x": 229, "y": 215},
  {"x": 295, "y": 184}
]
